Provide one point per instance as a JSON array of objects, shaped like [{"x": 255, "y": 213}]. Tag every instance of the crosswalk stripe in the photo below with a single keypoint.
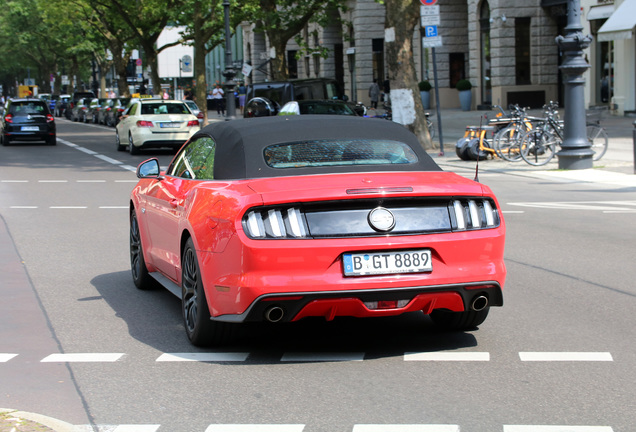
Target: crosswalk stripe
[
  {"x": 447, "y": 356},
  {"x": 552, "y": 428},
  {"x": 405, "y": 428},
  {"x": 82, "y": 357},
  {"x": 255, "y": 428},
  {"x": 565, "y": 356},
  {"x": 322, "y": 357},
  {"x": 5, "y": 357},
  {"x": 203, "y": 357}
]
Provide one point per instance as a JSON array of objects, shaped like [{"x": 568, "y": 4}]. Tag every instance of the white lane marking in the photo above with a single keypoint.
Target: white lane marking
[
  {"x": 91, "y": 181},
  {"x": 619, "y": 211},
  {"x": 447, "y": 356},
  {"x": 109, "y": 160},
  {"x": 580, "y": 205},
  {"x": 130, "y": 168},
  {"x": 321, "y": 357},
  {"x": 113, "y": 207},
  {"x": 126, "y": 181},
  {"x": 255, "y": 428},
  {"x": 565, "y": 356},
  {"x": 202, "y": 357},
  {"x": 87, "y": 151},
  {"x": 554, "y": 428},
  {"x": 405, "y": 428},
  {"x": 5, "y": 357},
  {"x": 68, "y": 207},
  {"x": 23, "y": 207},
  {"x": 67, "y": 143},
  {"x": 82, "y": 357},
  {"x": 14, "y": 181},
  {"x": 52, "y": 181},
  {"x": 512, "y": 211}
]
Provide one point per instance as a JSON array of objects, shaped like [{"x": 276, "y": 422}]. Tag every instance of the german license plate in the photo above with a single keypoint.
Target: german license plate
[
  {"x": 378, "y": 263},
  {"x": 170, "y": 125},
  {"x": 30, "y": 129}
]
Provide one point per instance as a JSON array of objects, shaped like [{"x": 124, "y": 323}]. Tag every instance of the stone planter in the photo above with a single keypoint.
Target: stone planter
[
  {"x": 465, "y": 99},
  {"x": 426, "y": 99}
]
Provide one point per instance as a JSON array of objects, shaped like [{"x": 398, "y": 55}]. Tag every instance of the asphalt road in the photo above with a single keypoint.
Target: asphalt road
[{"x": 559, "y": 353}]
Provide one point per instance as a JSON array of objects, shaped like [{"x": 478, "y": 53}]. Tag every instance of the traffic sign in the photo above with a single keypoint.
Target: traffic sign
[
  {"x": 428, "y": 2},
  {"x": 429, "y": 15},
  {"x": 430, "y": 31},
  {"x": 432, "y": 42},
  {"x": 186, "y": 63}
]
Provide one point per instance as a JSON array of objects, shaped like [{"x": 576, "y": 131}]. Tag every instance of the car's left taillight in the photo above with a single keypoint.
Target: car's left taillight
[
  {"x": 275, "y": 223},
  {"x": 469, "y": 214},
  {"x": 50, "y": 118},
  {"x": 193, "y": 123},
  {"x": 8, "y": 118},
  {"x": 144, "y": 123}
]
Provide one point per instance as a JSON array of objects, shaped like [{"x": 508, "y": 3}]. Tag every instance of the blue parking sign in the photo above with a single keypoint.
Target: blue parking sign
[{"x": 430, "y": 31}]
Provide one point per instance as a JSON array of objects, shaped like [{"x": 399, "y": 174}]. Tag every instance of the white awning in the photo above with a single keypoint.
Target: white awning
[
  {"x": 600, "y": 12},
  {"x": 621, "y": 24}
]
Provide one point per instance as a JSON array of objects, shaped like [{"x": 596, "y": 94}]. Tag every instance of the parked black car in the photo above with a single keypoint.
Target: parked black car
[
  {"x": 27, "y": 119},
  {"x": 104, "y": 110},
  {"x": 61, "y": 104}
]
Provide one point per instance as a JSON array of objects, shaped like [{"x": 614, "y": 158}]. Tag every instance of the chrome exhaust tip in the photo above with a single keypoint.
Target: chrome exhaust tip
[
  {"x": 479, "y": 303},
  {"x": 274, "y": 314}
]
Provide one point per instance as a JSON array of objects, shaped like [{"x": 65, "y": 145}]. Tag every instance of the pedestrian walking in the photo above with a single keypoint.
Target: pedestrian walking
[
  {"x": 217, "y": 95},
  {"x": 374, "y": 93},
  {"x": 242, "y": 93}
]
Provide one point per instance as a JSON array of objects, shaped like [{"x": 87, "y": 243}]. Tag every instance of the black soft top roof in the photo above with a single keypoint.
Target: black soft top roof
[{"x": 240, "y": 143}]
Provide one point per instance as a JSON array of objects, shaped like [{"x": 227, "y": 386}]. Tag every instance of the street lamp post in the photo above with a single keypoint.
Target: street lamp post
[
  {"x": 576, "y": 152},
  {"x": 229, "y": 72}
]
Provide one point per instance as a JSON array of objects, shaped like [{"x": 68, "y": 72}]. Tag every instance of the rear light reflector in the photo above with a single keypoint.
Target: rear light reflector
[{"x": 386, "y": 304}]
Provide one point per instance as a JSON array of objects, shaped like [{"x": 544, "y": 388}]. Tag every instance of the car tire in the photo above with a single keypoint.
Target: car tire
[
  {"x": 201, "y": 330},
  {"x": 5, "y": 140},
  {"x": 131, "y": 146},
  {"x": 118, "y": 143},
  {"x": 140, "y": 275},
  {"x": 466, "y": 320},
  {"x": 51, "y": 140}
]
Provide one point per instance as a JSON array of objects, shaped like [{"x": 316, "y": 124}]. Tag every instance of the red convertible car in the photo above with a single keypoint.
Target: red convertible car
[{"x": 277, "y": 219}]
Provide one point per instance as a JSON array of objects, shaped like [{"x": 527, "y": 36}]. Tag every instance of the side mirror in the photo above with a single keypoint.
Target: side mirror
[{"x": 149, "y": 168}]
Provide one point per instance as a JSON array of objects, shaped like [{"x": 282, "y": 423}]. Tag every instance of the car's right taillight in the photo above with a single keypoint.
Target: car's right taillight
[
  {"x": 50, "y": 118},
  {"x": 193, "y": 123},
  {"x": 144, "y": 123},
  {"x": 470, "y": 214}
]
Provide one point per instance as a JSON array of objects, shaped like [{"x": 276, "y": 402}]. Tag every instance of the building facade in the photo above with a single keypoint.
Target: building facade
[{"x": 506, "y": 50}]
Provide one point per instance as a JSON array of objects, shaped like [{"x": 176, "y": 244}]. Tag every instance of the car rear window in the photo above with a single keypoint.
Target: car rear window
[
  {"x": 25, "y": 108},
  {"x": 338, "y": 153},
  {"x": 164, "y": 108}
]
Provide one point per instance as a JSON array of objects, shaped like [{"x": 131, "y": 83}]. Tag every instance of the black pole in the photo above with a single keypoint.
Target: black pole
[
  {"x": 229, "y": 72},
  {"x": 576, "y": 152},
  {"x": 437, "y": 106}
]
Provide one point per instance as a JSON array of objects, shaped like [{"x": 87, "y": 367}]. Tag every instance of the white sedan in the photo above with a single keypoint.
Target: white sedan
[{"x": 154, "y": 123}]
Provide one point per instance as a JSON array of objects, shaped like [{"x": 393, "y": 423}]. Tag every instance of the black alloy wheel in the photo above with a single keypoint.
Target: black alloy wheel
[
  {"x": 131, "y": 145},
  {"x": 201, "y": 330},
  {"x": 140, "y": 275}
]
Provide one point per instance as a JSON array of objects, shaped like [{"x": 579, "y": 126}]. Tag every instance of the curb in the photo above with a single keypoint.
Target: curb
[{"x": 37, "y": 422}]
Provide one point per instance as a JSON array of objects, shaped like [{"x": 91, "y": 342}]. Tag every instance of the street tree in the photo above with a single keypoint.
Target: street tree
[
  {"x": 400, "y": 20},
  {"x": 282, "y": 20}
]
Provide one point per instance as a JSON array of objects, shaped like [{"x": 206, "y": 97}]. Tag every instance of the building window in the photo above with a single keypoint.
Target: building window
[
  {"x": 522, "y": 51},
  {"x": 377, "y": 46},
  {"x": 292, "y": 64},
  {"x": 456, "y": 65}
]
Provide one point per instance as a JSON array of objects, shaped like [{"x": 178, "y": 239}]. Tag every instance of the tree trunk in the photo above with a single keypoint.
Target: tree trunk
[
  {"x": 199, "y": 62},
  {"x": 401, "y": 18}
]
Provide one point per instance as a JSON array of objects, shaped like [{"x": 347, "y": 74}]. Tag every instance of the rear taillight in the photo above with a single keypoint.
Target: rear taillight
[
  {"x": 193, "y": 123},
  {"x": 473, "y": 214},
  {"x": 275, "y": 223},
  {"x": 8, "y": 118},
  {"x": 50, "y": 118},
  {"x": 121, "y": 110},
  {"x": 144, "y": 123},
  {"x": 200, "y": 115}
]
